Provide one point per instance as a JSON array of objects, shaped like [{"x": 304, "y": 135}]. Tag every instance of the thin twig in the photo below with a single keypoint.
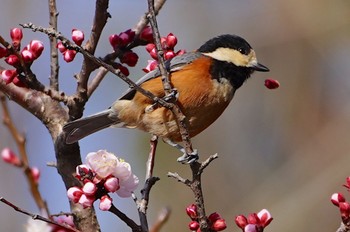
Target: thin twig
[
  {"x": 38, "y": 217},
  {"x": 125, "y": 218},
  {"x": 180, "y": 179},
  {"x": 20, "y": 142},
  {"x": 205, "y": 163},
  {"x": 151, "y": 157},
  {"x": 162, "y": 218},
  {"x": 175, "y": 109},
  {"x": 54, "y": 84}
]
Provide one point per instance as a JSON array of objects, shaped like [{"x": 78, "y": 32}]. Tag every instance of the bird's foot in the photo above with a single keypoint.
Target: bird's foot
[
  {"x": 172, "y": 97},
  {"x": 188, "y": 158}
]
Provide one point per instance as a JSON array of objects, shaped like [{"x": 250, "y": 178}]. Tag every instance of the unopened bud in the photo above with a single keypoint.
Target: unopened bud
[
  {"x": 10, "y": 157},
  {"x": 77, "y": 36},
  {"x": 272, "y": 84},
  {"x": 105, "y": 203}
]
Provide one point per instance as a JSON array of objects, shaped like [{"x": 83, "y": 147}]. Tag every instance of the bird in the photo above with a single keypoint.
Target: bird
[{"x": 205, "y": 80}]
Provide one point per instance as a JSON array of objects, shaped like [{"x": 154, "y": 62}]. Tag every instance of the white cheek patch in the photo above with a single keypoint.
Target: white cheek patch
[{"x": 233, "y": 56}]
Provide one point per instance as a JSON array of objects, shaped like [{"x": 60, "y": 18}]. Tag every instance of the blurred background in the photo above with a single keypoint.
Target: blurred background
[{"x": 286, "y": 150}]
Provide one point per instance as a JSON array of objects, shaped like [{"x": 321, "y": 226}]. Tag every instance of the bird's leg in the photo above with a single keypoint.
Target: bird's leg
[{"x": 185, "y": 158}]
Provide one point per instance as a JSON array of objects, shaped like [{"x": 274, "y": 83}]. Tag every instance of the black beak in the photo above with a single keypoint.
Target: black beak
[{"x": 260, "y": 68}]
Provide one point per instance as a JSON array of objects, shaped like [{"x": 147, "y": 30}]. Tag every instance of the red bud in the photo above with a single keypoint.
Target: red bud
[{"x": 272, "y": 84}]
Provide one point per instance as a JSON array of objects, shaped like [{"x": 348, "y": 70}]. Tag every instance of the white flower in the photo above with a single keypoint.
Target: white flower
[
  {"x": 102, "y": 163},
  {"x": 128, "y": 186}
]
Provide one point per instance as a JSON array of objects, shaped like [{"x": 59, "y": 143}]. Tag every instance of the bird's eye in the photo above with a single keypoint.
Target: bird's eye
[{"x": 242, "y": 51}]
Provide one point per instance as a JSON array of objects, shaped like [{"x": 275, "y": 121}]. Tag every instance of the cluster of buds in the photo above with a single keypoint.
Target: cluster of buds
[
  {"x": 103, "y": 173},
  {"x": 344, "y": 206},
  {"x": 215, "y": 221},
  {"x": 69, "y": 54},
  {"x": 120, "y": 43},
  {"x": 256, "y": 222},
  {"x": 29, "y": 53},
  {"x": 168, "y": 44},
  {"x": 8, "y": 156}
]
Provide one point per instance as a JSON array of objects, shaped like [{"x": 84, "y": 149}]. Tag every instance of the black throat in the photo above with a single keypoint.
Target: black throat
[{"x": 236, "y": 75}]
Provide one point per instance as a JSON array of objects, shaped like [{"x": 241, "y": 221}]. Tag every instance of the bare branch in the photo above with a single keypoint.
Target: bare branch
[
  {"x": 53, "y": 46},
  {"x": 126, "y": 219},
  {"x": 161, "y": 220},
  {"x": 20, "y": 142},
  {"x": 38, "y": 217}
]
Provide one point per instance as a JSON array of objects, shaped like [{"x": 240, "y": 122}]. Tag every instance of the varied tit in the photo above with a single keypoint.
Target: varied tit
[{"x": 205, "y": 80}]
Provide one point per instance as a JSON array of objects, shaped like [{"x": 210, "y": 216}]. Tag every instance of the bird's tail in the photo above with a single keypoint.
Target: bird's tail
[{"x": 81, "y": 128}]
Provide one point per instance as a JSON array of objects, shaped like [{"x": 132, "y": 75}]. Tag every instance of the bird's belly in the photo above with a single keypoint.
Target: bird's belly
[{"x": 200, "y": 112}]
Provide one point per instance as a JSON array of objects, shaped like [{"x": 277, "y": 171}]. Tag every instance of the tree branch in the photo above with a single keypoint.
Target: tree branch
[
  {"x": 38, "y": 217},
  {"x": 53, "y": 46}
]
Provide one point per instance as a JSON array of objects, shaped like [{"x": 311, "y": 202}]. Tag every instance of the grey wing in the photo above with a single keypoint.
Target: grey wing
[{"x": 172, "y": 65}]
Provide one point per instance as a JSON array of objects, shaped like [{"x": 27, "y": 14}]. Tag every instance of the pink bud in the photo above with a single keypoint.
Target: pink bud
[
  {"x": 191, "y": 211},
  {"x": 74, "y": 194},
  {"x": 61, "y": 47},
  {"x": 219, "y": 225},
  {"x": 147, "y": 34},
  {"x": 336, "y": 198},
  {"x": 35, "y": 173},
  {"x": 251, "y": 228},
  {"x": 8, "y": 75},
  {"x": 27, "y": 56},
  {"x": 12, "y": 60},
  {"x": 77, "y": 36},
  {"x": 105, "y": 203},
  {"x": 214, "y": 217},
  {"x": 114, "y": 40},
  {"x": 122, "y": 68},
  {"x": 112, "y": 184},
  {"x": 3, "y": 52},
  {"x": 126, "y": 37},
  {"x": 265, "y": 217},
  {"x": 272, "y": 84},
  {"x": 153, "y": 53},
  {"x": 169, "y": 54},
  {"x": 241, "y": 221},
  {"x": 16, "y": 36},
  {"x": 347, "y": 185},
  {"x": 10, "y": 157},
  {"x": 163, "y": 43},
  {"x": 89, "y": 189},
  {"x": 69, "y": 55},
  {"x": 86, "y": 201},
  {"x": 131, "y": 34},
  {"x": 36, "y": 47},
  {"x": 130, "y": 58},
  {"x": 194, "y": 225},
  {"x": 150, "y": 47},
  {"x": 253, "y": 218},
  {"x": 344, "y": 208},
  {"x": 152, "y": 64},
  {"x": 171, "y": 41}
]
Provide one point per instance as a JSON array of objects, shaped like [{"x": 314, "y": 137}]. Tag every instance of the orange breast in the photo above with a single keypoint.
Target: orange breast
[{"x": 201, "y": 99}]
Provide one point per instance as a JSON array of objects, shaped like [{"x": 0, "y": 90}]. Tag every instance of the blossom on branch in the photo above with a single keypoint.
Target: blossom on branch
[
  {"x": 102, "y": 174},
  {"x": 255, "y": 222},
  {"x": 168, "y": 45}
]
